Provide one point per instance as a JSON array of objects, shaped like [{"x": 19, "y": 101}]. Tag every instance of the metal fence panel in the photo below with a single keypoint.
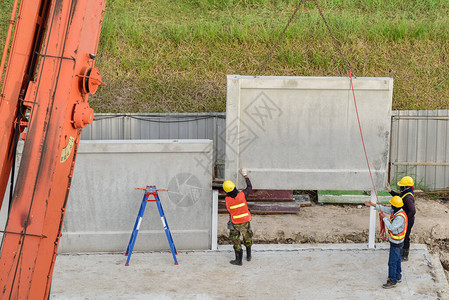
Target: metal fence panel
[{"x": 420, "y": 147}]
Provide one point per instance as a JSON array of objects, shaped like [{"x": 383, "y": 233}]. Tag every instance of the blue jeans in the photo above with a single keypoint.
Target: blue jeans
[{"x": 394, "y": 264}]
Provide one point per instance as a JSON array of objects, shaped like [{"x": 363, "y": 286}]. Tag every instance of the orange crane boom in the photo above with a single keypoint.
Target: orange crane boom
[{"x": 49, "y": 76}]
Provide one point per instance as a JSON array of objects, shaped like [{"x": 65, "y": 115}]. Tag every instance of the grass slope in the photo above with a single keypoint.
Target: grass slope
[{"x": 174, "y": 55}]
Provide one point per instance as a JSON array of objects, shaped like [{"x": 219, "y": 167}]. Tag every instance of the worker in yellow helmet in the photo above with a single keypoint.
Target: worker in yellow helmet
[
  {"x": 408, "y": 197},
  {"x": 397, "y": 229},
  {"x": 240, "y": 218}
]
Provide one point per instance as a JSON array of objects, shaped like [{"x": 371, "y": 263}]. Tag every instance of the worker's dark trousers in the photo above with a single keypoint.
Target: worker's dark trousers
[
  {"x": 411, "y": 221},
  {"x": 394, "y": 263}
]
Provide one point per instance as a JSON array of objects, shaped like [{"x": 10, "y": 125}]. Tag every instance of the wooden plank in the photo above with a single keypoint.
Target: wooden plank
[
  {"x": 266, "y": 202},
  {"x": 266, "y": 195}
]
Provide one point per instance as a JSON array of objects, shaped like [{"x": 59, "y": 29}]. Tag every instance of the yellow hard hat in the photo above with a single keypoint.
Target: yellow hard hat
[
  {"x": 396, "y": 201},
  {"x": 228, "y": 186},
  {"x": 406, "y": 181}
]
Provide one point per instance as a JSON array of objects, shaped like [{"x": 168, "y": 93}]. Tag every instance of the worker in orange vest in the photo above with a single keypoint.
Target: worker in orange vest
[
  {"x": 240, "y": 218},
  {"x": 397, "y": 228},
  {"x": 408, "y": 197}
]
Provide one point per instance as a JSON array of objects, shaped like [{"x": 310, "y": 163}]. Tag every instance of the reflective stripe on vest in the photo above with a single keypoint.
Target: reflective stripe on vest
[
  {"x": 237, "y": 206},
  {"x": 408, "y": 194},
  {"x": 240, "y": 216},
  {"x": 400, "y": 235}
]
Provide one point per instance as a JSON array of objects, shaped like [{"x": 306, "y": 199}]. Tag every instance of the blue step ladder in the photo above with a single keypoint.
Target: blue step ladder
[{"x": 150, "y": 191}]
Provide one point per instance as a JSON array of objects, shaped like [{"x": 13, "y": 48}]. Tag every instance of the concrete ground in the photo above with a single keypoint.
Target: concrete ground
[{"x": 326, "y": 271}]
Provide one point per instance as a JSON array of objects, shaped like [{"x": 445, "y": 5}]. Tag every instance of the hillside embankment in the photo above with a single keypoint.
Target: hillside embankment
[{"x": 173, "y": 56}]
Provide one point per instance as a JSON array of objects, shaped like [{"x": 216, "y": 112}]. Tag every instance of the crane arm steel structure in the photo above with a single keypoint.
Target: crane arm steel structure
[{"x": 49, "y": 76}]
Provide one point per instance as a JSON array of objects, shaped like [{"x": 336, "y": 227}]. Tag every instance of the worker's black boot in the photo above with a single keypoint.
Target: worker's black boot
[
  {"x": 248, "y": 253},
  {"x": 238, "y": 258},
  {"x": 404, "y": 256}
]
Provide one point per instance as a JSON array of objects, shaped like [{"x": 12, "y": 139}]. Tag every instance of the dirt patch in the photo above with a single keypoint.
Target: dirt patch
[
  {"x": 335, "y": 223},
  {"x": 441, "y": 246}
]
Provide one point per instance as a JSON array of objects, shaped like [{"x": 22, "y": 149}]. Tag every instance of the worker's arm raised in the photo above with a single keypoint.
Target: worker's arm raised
[{"x": 249, "y": 186}]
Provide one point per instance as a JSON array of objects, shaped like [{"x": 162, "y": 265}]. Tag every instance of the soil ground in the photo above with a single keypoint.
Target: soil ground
[{"x": 349, "y": 223}]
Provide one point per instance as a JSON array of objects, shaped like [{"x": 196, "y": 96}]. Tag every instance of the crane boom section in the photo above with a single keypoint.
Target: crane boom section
[
  {"x": 27, "y": 24},
  {"x": 64, "y": 76}
]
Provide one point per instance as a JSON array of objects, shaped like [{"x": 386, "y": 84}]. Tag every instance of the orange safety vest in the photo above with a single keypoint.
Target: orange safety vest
[
  {"x": 238, "y": 208},
  {"x": 400, "y": 236}
]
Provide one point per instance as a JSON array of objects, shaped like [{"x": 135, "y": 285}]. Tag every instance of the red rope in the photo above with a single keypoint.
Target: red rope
[
  {"x": 382, "y": 231},
  {"x": 361, "y": 135}
]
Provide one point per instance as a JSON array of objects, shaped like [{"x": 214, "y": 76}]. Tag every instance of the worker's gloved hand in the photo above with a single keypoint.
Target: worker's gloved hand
[
  {"x": 244, "y": 172},
  {"x": 381, "y": 214},
  {"x": 388, "y": 188}
]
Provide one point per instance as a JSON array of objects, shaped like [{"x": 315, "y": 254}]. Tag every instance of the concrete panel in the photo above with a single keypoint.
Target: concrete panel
[
  {"x": 103, "y": 203},
  {"x": 5, "y": 206},
  {"x": 4, "y": 212},
  {"x": 302, "y": 132}
]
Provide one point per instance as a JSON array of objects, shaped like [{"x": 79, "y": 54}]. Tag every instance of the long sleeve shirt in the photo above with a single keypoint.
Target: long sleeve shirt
[
  {"x": 248, "y": 189},
  {"x": 396, "y": 227}
]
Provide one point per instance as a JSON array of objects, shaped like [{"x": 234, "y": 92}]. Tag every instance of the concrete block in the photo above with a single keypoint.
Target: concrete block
[
  {"x": 302, "y": 132},
  {"x": 103, "y": 203}
]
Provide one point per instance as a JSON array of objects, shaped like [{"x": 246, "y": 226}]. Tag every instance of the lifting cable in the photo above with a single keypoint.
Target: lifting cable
[
  {"x": 361, "y": 136},
  {"x": 337, "y": 45},
  {"x": 348, "y": 67},
  {"x": 280, "y": 37}
]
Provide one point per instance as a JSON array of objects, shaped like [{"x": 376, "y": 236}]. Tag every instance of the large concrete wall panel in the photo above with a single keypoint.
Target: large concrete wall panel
[
  {"x": 302, "y": 132},
  {"x": 103, "y": 203}
]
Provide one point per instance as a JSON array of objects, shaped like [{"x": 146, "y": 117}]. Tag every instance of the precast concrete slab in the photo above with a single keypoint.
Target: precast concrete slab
[
  {"x": 332, "y": 271},
  {"x": 103, "y": 203},
  {"x": 303, "y": 133}
]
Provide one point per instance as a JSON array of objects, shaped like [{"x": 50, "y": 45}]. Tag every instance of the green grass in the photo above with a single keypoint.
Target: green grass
[{"x": 173, "y": 55}]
